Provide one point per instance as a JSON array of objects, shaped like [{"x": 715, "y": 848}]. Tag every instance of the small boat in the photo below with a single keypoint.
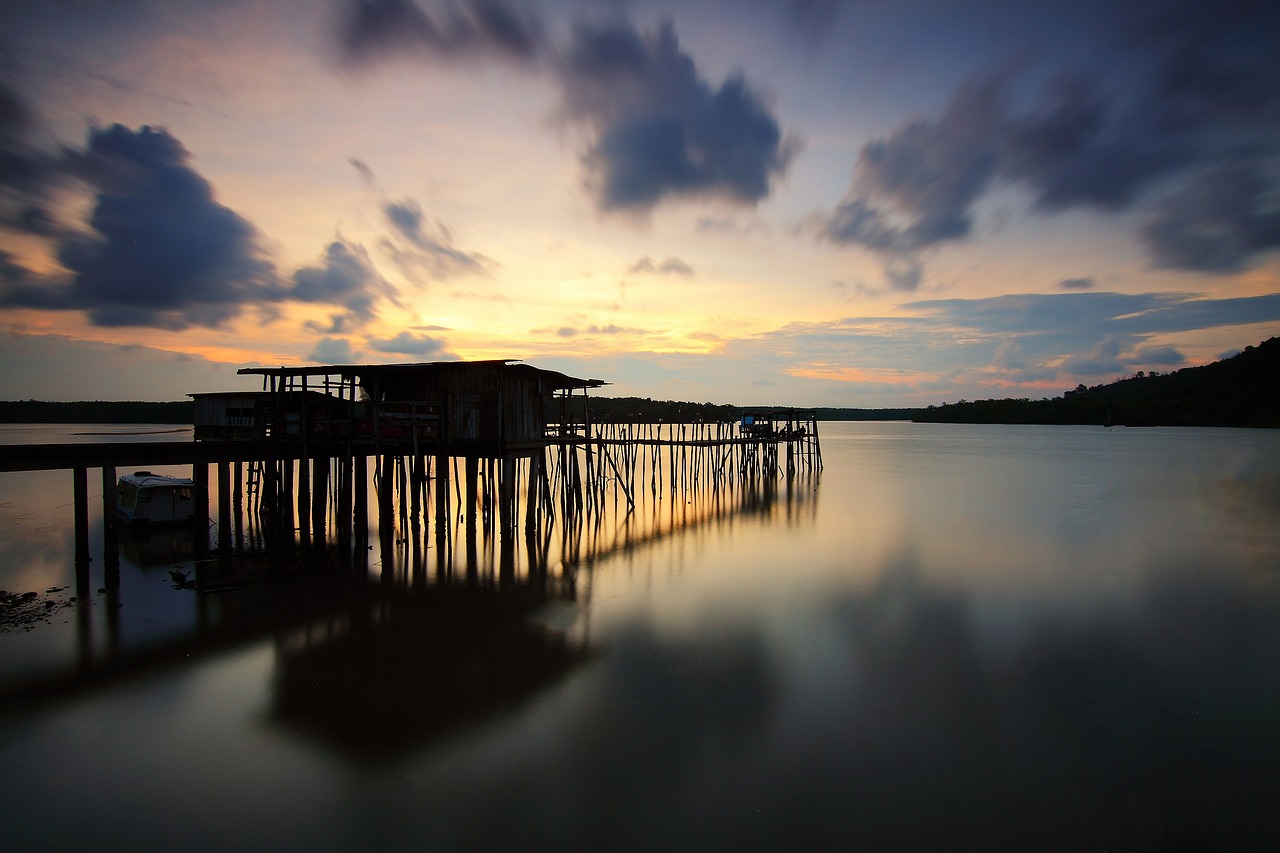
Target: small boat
[{"x": 146, "y": 498}]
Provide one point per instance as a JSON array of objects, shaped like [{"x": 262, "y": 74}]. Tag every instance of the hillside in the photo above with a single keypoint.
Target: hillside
[
  {"x": 1241, "y": 391},
  {"x": 95, "y": 412}
]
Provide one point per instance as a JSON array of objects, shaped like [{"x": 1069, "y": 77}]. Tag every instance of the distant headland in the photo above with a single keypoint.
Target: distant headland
[{"x": 1241, "y": 391}]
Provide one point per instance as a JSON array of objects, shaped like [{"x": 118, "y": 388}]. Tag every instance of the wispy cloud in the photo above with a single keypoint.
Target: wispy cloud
[{"x": 1186, "y": 145}]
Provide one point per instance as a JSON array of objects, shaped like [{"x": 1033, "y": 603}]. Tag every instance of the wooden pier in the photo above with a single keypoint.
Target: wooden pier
[{"x": 486, "y": 444}]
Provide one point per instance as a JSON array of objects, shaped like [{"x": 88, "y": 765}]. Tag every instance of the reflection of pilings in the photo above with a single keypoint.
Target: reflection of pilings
[
  {"x": 80, "y": 490},
  {"x": 200, "y": 508},
  {"x": 110, "y": 544},
  {"x": 224, "y": 507}
]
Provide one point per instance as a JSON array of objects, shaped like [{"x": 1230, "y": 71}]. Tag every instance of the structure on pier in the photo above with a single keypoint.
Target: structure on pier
[{"x": 472, "y": 409}]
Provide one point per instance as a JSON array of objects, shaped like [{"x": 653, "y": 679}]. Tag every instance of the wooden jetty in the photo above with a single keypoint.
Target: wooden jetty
[{"x": 483, "y": 442}]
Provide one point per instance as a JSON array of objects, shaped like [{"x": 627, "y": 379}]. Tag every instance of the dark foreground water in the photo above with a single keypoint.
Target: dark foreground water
[{"x": 1020, "y": 638}]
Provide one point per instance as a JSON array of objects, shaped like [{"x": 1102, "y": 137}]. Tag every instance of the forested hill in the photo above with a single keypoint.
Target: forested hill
[
  {"x": 1243, "y": 391},
  {"x": 95, "y": 412},
  {"x": 644, "y": 410}
]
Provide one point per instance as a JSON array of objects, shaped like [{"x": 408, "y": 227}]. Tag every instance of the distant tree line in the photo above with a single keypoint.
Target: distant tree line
[
  {"x": 1241, "y": 391},
  {"x": 95, "y": 412},
  {"x": 645, "y": 410}
]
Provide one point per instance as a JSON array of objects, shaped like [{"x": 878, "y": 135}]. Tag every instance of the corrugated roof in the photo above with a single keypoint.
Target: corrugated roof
[{"x": 558, "y": 379}]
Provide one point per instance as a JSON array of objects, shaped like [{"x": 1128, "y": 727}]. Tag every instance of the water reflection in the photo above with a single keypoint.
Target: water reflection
[
  {"x": 1013, "y": 639},
  {"x": 379, "y": 655}
]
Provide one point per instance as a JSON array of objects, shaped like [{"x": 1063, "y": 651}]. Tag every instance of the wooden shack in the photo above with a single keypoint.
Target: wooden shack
[
  {"x": 257, "y": 415},
  {"x": 483, "y": 408}
]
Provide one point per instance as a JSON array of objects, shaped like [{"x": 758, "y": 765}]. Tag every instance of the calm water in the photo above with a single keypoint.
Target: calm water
[{"x": 1005, "y": 637}]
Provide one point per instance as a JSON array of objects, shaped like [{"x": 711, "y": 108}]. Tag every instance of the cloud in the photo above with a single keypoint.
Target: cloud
[
  {"x": 452, "y": 30},
  {"x": 1165, "y": 356},
  {"x": 161, "y": 251},
  {"x": 659, "y": 130},
  {"x": 344, "y": 277},
  {"x": 366, "y": 173},
  {"x": 1076, "y": 284},
  {"x": 26, "y": 172},
  {"x": 656, "y": 129},
  {"x": 53, "y": 367},
  {"x": 1102, "y": 360},
  {"x": 667, "y": 266},
  {"x": 333, "y": 351},
  {"x": 422, "y": 244},
  {"x": 1189, "y": 134},
  {"x": 914, "y": 189},
  {"x": 407, "y": 343},
  {"x": 1216, "y": 223}
]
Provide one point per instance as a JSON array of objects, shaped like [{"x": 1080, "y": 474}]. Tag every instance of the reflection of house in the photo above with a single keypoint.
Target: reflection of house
[
  {"x": 402, "y": 668},
  {"x": 487, "y": 406}
]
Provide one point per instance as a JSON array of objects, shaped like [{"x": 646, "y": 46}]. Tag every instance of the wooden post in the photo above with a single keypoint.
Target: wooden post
[
  {"x": 304, "y": 498},
  {"x": 386, "y": 479}
]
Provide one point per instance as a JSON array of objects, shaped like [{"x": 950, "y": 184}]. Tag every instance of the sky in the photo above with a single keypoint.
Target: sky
[{"x": 781, "y": 202}]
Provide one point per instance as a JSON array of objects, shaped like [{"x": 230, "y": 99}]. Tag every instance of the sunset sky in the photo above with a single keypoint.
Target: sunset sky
[{"x": 802, "y": 202}]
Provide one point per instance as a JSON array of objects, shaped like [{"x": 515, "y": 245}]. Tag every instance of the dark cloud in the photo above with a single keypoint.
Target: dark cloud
[
  {"x": 450, "y": 30},
  {"x": 333, "y": 351},
  {"x": 1076, "y": 284},
  {"x": 1216, "y": 223},
  {"x": 1191, "y": 132},
  {"x": 1164, "y": 356},
  {"x": 667, "y": 266},
  {"x": 656, "y": 129},
  {"x": 27, "y": 173},
  {"x": 659, "y": 130},
  {"x": 366, "y": 173},
  {"x": 1102, "y": 360},
  {"x": 915, "y": 188},
  {"x": 407, "y": 343},
  {"x": 161, "y": 251},
  {"x": 344, "y": 277},
  {"x": 423, "y": 244}
]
